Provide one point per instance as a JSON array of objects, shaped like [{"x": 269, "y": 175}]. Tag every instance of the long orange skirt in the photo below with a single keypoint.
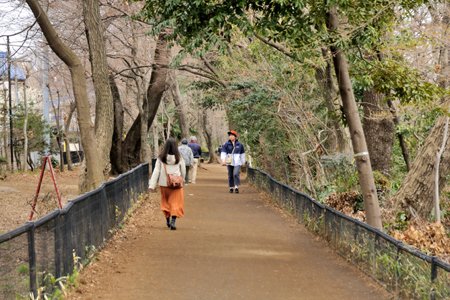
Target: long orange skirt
[{"x": 172, "y": 202}]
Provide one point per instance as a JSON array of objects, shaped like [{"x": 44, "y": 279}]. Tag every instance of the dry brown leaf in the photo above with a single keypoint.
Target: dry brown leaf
[{"x": 430, "y": 238}]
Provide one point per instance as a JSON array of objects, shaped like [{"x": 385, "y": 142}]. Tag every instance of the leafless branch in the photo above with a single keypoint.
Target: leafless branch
[
  {"x": 131, "y": 69},
  {"x": 111, "y": 5},
  {"x": 28, "y": 28},
  {"x": 197, "y": 68},
  {"x": 208, "y": 76},
  {"x": 209, "y": 66}
]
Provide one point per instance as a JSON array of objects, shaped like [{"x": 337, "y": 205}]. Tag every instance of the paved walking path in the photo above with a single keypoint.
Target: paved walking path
[{"x": 228, "y": 246}]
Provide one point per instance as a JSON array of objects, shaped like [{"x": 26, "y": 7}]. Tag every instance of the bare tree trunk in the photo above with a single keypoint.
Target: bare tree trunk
[
  {"x": 208, "y": 137},
  {"x": 66, "y": 138},
  {"x": 338, "y": 140},
  {"x": 143, "y": 110},
  {"x": 59, "y": 138},
  {"x": 94, "y": 175},
  {"x": 145, "y": 147},
  {"x": 444, "y": 62},
  {"x": 396, "y": 121},
  {"x": 25, "y": 127},
  {"x": 378, "y": 131},
  {"x": 104, "y": 126},
  {"x": 155, "y": 141},
  {"x": 401, "y": 138},
  {"x": 156, "y": 88},
  {"x": 58, "y": 128},
  {"x": 5, "y": 131},
  {"x": 181, "y": 112},
  {"x": 437, "y": 207},
  {"x": 30, "y": 162},
  {"x": 117, "y": 166},
  {"x": 366, "y": 179},
  {"x": 158, "y": 79},
  {"x": 168, "y": 124},
  {"x": 418, "y": 187},
  {"x": 440, "y": 13},
  {"x": 16, "y": 153}
]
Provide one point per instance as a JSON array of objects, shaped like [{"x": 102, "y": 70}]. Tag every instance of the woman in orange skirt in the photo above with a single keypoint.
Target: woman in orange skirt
[{"x": 172, "y": 200}]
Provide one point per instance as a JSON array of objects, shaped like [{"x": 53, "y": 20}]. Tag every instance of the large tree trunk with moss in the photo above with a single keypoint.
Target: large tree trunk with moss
[
  {"x": 104, "y": 102},
  {"x": 132, "y": 144},
  {"x": 366, "y": 179},
  {"x": 93, "y": 172},
  {"x": 378, "y": 131},
  {"x": 416, "y": 193}
]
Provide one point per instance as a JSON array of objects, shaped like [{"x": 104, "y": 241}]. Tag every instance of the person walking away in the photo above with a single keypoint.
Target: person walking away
[
  {"x": 197, "y": 151},
  {"x": 169, "y": 162},
  {"x": 188, "y": 157},
  {"x": 232, "y": 155}
]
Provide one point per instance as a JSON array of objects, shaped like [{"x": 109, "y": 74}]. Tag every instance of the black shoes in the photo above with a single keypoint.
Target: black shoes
[
  {"x": 231, "y": 190},
  {"x": 172, "y": 224},
  {"x": 236, "y": 190}
]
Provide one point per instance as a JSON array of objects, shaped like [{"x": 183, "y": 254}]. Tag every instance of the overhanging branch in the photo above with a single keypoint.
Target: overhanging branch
[
  {"x": 276, "y": 46},
  {"x": 195, "y": 71}
]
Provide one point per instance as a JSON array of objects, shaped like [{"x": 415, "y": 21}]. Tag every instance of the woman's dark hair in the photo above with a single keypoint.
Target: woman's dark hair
[{"x": 170, "y": 147}]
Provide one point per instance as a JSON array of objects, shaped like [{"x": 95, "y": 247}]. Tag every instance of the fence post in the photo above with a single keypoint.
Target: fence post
[
  {"x": 335, "y": 228},
  {"x": 66, "y": 238},
  {"x": 104, "y": 215},
  {"x": 433, "y": 278},
  {"x": 32, "y": 259},
  {"x": 58, "y": 246},
  {"x": 397, "y": 271},
  {"x": 374, "y": 253}
]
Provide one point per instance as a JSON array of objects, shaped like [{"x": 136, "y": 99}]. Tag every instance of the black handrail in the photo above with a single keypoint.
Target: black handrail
[
  {"x": 47, "y": 245},
  {"x": 368, "y": 240}
]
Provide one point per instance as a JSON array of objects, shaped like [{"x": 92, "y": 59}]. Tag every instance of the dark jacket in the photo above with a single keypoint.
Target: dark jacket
[
  {"x": 196, "y": 149},
  {"x": 238, "y": 154}
]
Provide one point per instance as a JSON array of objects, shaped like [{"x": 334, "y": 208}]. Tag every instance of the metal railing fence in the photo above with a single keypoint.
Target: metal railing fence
[
  {"x": 49, "y": 247},
  {"x": 401, "y": 269}
]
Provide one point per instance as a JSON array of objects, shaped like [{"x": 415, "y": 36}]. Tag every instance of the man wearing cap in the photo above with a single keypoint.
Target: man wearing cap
[
  {"x": 232, "y": 155},
  {"x": 197, "y": 151},
  {"x": 188, "y": 157}
]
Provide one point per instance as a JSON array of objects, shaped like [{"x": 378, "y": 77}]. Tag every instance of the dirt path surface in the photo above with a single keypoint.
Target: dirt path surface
[{"x": 228, "y": 246}]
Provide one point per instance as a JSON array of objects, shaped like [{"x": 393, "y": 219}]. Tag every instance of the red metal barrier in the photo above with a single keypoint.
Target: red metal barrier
[{"x": 46, "y": 159}]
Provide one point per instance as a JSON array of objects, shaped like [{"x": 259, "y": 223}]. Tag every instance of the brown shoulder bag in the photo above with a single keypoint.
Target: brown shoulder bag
[{"x": 173, "y": 181}]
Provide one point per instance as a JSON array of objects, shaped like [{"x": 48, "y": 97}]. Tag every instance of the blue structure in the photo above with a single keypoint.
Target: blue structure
[{"x": 15, "y": 71}]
